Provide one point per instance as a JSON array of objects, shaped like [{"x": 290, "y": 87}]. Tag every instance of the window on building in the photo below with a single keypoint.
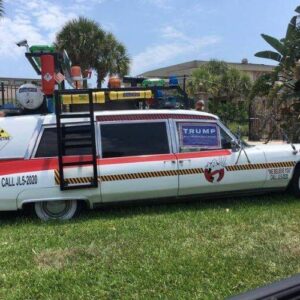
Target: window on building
[
  {"x": 131, "y": 139},
  {"x": 48, "y": 143}
]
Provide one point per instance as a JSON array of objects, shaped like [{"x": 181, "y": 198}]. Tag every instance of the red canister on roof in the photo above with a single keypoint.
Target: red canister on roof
[
  {"x": 76, "y": 76},
  {"x": 47, "y": 71},
  {"x": 114, "y": 82}
]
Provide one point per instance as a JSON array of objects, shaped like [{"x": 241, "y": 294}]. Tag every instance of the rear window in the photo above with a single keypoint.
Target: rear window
[
  {"x": 48, "y": 143},
  {"x": 131, "y": 139}
]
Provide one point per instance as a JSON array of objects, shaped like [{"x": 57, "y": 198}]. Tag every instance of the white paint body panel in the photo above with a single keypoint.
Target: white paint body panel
[
  {"x": 232, "y": 181},
  {"x": 279, "y": 153},
  {"x": 22, "y": 133},
  {"x": 144, "y": 188}
]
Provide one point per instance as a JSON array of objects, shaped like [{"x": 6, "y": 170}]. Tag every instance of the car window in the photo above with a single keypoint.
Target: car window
[
  {"x": 131, "y": 139},
  {"x": 226, "y": 140},
  {"x": 48, "y": 143},
  {"x": 196, "y": 136}
]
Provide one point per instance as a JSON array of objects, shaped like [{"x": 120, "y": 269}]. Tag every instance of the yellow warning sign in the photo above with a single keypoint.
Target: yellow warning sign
[{"x": 4, "y": 135}]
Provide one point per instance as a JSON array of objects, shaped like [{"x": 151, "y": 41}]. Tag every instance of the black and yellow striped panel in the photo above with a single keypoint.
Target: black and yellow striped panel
[
  {"x": 143, "y": 175},
  {"x": 77, "y": 180},
  {"x": 56, "y": 177},
  {"x": 190, "y": 171},
  {"x": 119, "y": 177},
  {"x": 285, "y": 164}
]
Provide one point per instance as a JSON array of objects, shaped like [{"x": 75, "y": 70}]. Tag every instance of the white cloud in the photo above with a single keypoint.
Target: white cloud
[
  {"x": 166, "y": 4},
  {"x": 176, "y": 44},
  {"x": 170, "y": 32},
  {"x": 34, "y": 20},
  {"x": 14, "y": 30},
  {"x": 91, "y": 1},
  {"x": 82, "y": 6}
]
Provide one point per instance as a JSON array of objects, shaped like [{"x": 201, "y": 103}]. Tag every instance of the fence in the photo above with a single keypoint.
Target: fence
[
  {"x": 8, "y": 94},
  {"x": 264, "y": 121}
]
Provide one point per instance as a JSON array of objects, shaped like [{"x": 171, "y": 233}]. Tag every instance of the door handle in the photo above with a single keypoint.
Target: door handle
[
  {"x": 185, "y": 160},
  {"x": 172, "y": 161}
]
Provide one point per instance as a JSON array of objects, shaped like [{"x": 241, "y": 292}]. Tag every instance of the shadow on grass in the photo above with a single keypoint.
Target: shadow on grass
[
  {"x": 188, "y": 204},
  {"x": 116, "y": 211}
]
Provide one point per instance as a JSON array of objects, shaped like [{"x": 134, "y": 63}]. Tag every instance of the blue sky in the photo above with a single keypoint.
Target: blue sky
[{"x": 157, "y": 33}]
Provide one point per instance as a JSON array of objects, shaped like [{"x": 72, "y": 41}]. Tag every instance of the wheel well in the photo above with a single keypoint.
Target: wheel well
[
  {"x": 83, "y": 204},
  {"x": 297, "y": 167},
  {"x": 28, "y": 207}
]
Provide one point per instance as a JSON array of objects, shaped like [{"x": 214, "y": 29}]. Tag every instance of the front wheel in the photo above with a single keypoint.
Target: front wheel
[
  {"x": 56, "y": 210},
  {"x": 295, "y": 184}
]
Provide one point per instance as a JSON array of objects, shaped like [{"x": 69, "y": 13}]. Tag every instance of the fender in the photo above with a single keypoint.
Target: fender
[
  {"x": 293, "y": 172},
  {"x": 21, "y": 204},
  {"x": 43, "y": 194}
]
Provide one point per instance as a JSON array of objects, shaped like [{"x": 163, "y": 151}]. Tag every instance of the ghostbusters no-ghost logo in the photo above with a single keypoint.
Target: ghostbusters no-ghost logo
[
  {"x": 5, "y": 137},
  {"x": 215, "y": 170}
]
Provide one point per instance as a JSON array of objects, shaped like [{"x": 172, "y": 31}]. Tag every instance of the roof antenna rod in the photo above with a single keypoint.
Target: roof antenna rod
[{"x": 242, "y": 149}]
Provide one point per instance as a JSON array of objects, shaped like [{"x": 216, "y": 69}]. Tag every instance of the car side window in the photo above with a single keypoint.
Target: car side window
[
  {"x": 132, "y": 139},
  {"x": 197, "y": 136},
  {"x": 48, "y": 143}
]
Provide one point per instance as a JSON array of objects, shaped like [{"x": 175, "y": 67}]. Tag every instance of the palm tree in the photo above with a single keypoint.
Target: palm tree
[
  {"x": 286, "y": 49},
  {"x": 282, "y": 88},
  {"x": 1, "y": 9},
  {"x": 81, "y": 39},
  {"x": 224, "y": 87},
  {"x": 89, "y": 46},
  {"x": 113, "y": 59}
]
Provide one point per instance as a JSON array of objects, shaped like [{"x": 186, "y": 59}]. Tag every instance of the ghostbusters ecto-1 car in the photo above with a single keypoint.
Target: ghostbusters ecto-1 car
[{"x": 115, "y": 156}]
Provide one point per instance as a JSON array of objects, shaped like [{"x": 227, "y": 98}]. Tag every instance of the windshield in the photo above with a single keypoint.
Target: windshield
[{"x": 228, "y": 134}]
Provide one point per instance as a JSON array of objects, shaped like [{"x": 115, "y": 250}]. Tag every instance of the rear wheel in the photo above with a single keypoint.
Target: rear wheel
[
  {"x": 56, "y": 210},
  {"x": 296, "y": 182}
]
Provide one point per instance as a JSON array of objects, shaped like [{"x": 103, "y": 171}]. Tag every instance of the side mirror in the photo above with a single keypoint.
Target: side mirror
[{"x": 235, "y": 147}]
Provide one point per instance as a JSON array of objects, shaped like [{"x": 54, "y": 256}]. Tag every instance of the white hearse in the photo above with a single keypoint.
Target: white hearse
[{"x": 139, "y": 154}]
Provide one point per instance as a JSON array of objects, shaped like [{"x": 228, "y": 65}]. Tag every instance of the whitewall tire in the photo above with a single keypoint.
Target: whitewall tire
[{"x": 56, "y": 210}]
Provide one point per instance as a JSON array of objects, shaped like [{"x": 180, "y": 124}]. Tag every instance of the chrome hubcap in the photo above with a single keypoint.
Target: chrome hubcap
[{"x": 56, "y": 209}]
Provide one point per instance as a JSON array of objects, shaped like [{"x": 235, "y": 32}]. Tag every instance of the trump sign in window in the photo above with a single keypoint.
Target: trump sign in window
[{"x": 198, "y": 136}]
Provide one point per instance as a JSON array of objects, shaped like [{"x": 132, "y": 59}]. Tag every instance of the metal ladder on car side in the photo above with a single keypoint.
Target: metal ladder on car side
[{"x": 64, "y": 143}]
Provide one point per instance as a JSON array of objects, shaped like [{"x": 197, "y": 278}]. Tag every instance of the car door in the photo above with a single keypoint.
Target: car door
[
  {"x": 207, "y": 164},
  {"x": 45, "y": 163},
  {"x": 136, "y": 161}
]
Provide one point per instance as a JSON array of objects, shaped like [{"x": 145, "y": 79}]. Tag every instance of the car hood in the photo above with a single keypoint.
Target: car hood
[{"x": 279, "y": 150}]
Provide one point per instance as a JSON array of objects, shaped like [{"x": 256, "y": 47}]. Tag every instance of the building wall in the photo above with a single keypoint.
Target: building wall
[
  {"x": 186, "y": 69},
  {"x": 253, "y": 70}
]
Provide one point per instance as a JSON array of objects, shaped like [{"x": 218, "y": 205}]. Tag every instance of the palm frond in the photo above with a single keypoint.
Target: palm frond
[
  {"x": 1, "y": 8},
  {"x": 269, "y": 55},
  {"x": 275, "y": 43}
]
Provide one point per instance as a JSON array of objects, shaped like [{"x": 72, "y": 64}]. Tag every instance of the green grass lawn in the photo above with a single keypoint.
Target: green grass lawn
[{"x": 199, "y": 250}]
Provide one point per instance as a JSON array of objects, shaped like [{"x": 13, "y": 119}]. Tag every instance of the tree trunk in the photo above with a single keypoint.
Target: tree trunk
[
  {"x": 100, "y": 78},
  {"x": 99, "y": 82}
]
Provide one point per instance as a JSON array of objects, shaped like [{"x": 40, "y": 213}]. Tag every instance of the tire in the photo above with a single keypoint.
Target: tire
[
  {"x": 56, "y": 210},
  {"x": 295, "y": 184}
]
